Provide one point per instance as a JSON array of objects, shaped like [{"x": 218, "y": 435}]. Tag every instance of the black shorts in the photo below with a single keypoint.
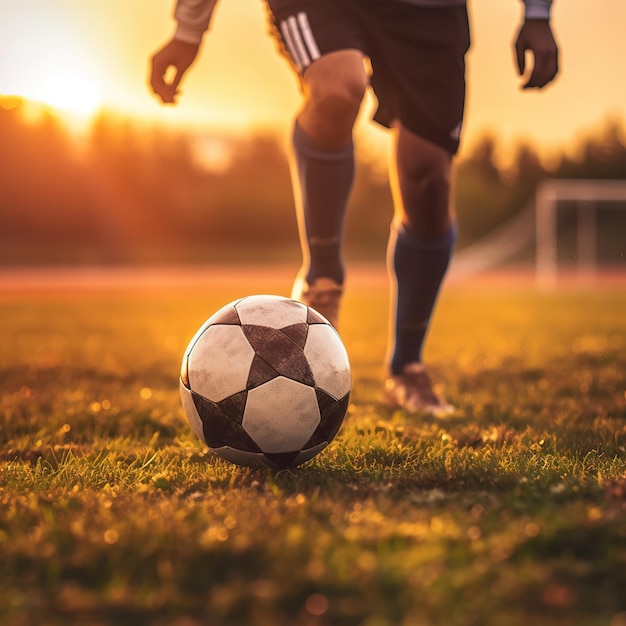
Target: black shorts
[{"x": 417, "y": 55}]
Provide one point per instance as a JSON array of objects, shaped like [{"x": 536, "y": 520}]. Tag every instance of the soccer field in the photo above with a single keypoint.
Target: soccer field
[{"x": 113, "y": 513}]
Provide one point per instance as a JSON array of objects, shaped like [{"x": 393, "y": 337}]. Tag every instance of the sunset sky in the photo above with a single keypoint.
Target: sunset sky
[{"x": 79, "y": 55}]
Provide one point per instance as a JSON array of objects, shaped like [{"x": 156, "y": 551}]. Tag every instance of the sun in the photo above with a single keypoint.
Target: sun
[
  {"x": 70, "y": 92},
  {"x": 49, "y": 62}
]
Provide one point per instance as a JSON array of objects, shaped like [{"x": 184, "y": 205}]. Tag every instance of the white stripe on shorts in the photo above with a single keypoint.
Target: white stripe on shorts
[
  {"x": 299, "y": 40},
  {"x": 291, "y": 48},
  {"x": 307, "y": 33}
]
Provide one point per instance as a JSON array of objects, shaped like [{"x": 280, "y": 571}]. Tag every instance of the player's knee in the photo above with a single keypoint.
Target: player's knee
[
  {"x": 334, "y": 106},
  {"x": 431, "y": 181},
  {"x": 334, "y": 88},
  {"x": 436, "y": 182},
  {"x": 426, "y": 199}
]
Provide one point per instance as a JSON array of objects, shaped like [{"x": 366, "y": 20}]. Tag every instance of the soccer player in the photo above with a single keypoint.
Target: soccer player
[{"x": 412, "y": 55}]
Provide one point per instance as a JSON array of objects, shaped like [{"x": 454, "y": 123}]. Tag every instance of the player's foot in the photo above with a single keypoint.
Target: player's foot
[
  {"x": 324, "y": 295},
  {"x": 412, "y": 390}
]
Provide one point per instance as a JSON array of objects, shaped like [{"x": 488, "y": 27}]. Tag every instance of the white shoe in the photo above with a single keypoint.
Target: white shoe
[
  {"x": 324, "y": 295},
  {"x": 412, "y": 390}
]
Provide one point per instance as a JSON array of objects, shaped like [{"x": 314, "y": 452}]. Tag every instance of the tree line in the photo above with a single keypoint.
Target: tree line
[{"x": 126, "y": 193}]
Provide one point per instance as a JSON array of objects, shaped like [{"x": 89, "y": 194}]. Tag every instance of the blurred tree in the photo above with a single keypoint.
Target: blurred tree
[
  {"x": 250, "y": 203},
  {"x": 601, "y": 155},
  {"x": 43, "y": 193},
  {"x": 480, "y": 192},
  {"x": 131, "y": 193}
]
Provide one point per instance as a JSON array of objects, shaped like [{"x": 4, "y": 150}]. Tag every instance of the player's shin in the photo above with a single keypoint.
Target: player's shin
[
  {"x": 417, "y": 267},
  {"x": 322, "y": 184}
]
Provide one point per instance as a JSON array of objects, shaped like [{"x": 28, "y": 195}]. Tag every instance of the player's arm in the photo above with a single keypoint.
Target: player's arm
[
  {"x": 192, "y": 21},
  {"x": 535, "y": 36}
]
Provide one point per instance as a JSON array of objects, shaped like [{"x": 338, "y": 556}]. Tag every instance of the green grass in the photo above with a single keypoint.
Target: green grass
[{"x": 514, "y": 512}]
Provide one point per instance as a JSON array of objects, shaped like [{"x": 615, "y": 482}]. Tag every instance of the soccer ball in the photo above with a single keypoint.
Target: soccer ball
[{"x": 266, "y": 382}]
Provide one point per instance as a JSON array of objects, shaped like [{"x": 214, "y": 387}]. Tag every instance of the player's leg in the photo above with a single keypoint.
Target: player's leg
[
  {"x": 320, "y": 40},
  {"x": 323, "y": 172},
  {"x": 419, "y": 81},
  {"x": 420, "y": 245}
]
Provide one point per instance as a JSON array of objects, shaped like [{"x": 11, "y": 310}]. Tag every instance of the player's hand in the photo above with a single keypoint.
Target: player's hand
[
  {"x": 178, "y": 55},
  {"x": 536, "y": 37}
]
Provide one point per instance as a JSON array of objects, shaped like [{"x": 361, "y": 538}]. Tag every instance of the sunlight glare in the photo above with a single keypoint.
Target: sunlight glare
[{"x": 70, "y": 92}]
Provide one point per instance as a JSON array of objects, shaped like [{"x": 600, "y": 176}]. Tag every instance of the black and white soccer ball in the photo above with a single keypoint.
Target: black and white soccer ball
[{"x": 266, "y": 381}]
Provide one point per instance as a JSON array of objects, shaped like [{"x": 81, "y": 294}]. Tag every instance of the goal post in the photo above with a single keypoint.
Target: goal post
[{"x": 587, "y": 194}]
